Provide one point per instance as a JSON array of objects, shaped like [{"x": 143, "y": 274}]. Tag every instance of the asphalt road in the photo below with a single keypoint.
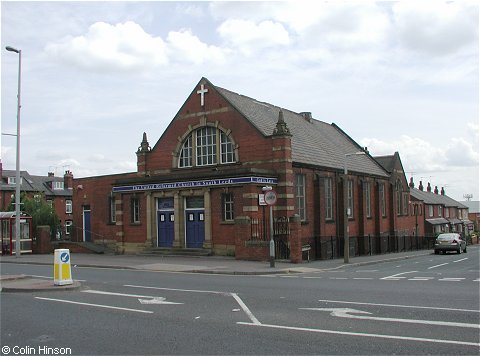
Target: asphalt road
[{"x": 425, "y": 305}]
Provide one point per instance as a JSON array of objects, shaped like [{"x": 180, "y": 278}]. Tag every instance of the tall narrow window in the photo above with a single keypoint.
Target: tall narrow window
[
  {"x": 186, "y": 153},
  {"x": 68, "y": 206},
  {"x": 112, "y": 210},
  {"x": 206, "y": 146},
  {"x": 447, "y": 212},
  {"x": 226, "y": 149},
  {"x": 300, "y": 195},
  {"x": 398, "y": 193},
  {"x": 405, "y": 204},
  {"x": 381, "y": 188},
  {"x": 227, "y": 207},
  {"x": 328, "y": 199},
  {"x": 350, "y": 198},
  {"x": 430, "y": 210},
  {"x": 135, "y": 210},
  {"x": 368, "y": 200},
  {"x": 440, "y": 211}
]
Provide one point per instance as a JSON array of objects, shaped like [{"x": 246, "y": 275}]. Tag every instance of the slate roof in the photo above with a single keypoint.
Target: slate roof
[
  {"x": 313, "y": 142},
  {"x": 33, "y": 184},
  {"x": 435, "y": 199},
  {"x": 387, "y": 162}
]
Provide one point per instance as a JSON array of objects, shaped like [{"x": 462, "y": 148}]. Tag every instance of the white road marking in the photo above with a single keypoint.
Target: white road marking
[
  {"x": 420, "y": 278},
  {"x": 463, "y": 259},
  {"x": 347, "y": 313},
  {"x": 289, "y": 276},
  {"x": 45, "y": 277},
  {"x": 397, "y": 305},
  {"x": 377, "y": 336},
  {"x": 149, "y": 300},
  {"x": 234, "y": 295},
  {"x": 96, "y": 305},
  {"x": 442, "y": 264},
  {"x": 451, "y": 279},
  {"x": 368, "y": 278},
  {"x": 245, "y": 309},
  {"x": 338, "y": 278},
  {"x": 313, "y": 277},
  {"x": 367, "y": 270},
  {"x": 395, "y": 277}
]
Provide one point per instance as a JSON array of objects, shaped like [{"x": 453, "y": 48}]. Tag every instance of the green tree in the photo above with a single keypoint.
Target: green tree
[{"x": 41, "y": 212}]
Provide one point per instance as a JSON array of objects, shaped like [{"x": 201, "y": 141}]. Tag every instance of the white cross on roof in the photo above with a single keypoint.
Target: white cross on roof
[{"x": 202, "y": 92}]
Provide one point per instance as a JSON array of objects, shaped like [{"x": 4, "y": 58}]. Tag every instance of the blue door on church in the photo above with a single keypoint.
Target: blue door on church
[
  {"x": 194, "y": 222},
  {"x": 195, "y": 228},
  {"x": 165, "y": 222}
]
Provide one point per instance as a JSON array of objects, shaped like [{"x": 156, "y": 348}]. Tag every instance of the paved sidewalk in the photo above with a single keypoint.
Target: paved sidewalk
[{"x": 185, "y": 264}]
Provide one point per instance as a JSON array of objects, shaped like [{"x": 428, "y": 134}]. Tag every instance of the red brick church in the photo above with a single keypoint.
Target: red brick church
[{"x": 200, "y": 185}]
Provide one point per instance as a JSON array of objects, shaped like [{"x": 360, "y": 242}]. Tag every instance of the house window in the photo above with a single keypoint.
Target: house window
[
  {"x": 447, "y": 212},
  {"x": 68, "y": 227},
  {"x": 135, "y": 210},
  {"x": 206, "y": 146},
  {"x": 350, "y": 198},
  {"x": 57, "y": 185},
  {"x": 227, "y": 207},
  {"x": 112, "y": 210},
  {"x": 300, "y": 195},
  {"x": 328, "y": 199},
  {"x": 440, "y": 211},
  {"x": 68, "y": 206},
  {"x": 368, "y": 202},
  {"x": 381, "y": 188},
  {"x": 430, "y": 210},
  {"x": 12, "y": 180}
]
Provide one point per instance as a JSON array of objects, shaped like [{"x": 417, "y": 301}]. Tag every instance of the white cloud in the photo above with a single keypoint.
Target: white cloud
[
  {"x": 184, "y": 46},
  {"x": 421, "y": 156},
  {"x": 123, "y": 46},
  {"x": 436, "y": 27},
  {"x": 248, "y": 36}
]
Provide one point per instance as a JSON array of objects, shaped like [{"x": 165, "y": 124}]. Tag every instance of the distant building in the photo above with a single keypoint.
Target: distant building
[
  {"x": 57, "y": 191},
  {"x": 473, "y": 212}
]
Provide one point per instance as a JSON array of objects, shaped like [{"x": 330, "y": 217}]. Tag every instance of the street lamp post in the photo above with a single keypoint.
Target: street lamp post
[
  {"x": 346, "y": 214},
  {"x": 270, "y": 199},
  {"x": 17, "y": 175}
]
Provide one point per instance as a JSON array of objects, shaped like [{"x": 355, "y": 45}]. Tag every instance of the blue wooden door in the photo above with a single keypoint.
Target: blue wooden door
[
  {"x": 195, "y": 228},
  {"x": 165, "y": 223},
  {"x": 87, "y": 233}
]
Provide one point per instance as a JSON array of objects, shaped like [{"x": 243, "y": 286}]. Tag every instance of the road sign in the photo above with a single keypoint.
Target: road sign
[{"x": 270, "y": 197}]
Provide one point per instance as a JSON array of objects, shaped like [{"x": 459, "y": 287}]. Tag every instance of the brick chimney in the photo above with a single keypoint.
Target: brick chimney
[
  {"x": 68, "y": 180},
  {"x": 51, "y": 174},
  {"x": 420, "y": 187},
  {"x": 429, "y": 187},
  {"x": 411, "y": 184},
  {"x": 435, "y": 190},
  {"x": 442, "y": 191}
]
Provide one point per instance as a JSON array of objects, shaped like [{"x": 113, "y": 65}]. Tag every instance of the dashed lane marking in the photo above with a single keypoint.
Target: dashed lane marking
[{"x": 441, "y": 264}]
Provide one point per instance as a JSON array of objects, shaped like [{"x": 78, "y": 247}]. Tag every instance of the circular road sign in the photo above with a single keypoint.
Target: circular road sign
[{"x": 270, "y": 197}]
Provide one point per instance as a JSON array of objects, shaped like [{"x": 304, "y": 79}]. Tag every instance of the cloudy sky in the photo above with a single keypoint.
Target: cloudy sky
[{"x": 396, "y": 76}]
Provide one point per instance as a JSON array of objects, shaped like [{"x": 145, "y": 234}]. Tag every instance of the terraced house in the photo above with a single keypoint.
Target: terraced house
[{"x": 201, "y": 185}]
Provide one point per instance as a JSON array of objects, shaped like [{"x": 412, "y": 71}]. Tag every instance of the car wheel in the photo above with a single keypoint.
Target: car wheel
[
  {"x": 459, "y": 251},
  {"x": 437, "y": 252},
  {"x": 465, "y": 249}
]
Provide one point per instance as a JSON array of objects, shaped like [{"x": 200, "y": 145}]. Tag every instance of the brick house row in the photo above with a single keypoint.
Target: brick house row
[
  {"x": 199, "y": 185},
  {"x": 440, "y": 213},
  {"x": 56, "y": 190}
]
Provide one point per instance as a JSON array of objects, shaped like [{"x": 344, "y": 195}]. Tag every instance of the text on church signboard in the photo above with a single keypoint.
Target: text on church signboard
[{"x": 194, "y": 184}]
